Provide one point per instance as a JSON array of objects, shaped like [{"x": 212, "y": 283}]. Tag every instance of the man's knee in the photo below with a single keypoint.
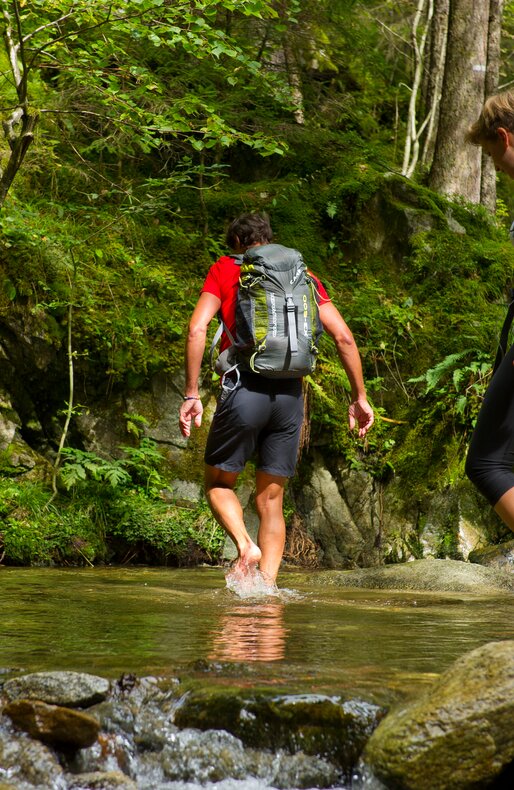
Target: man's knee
[
  {"x": 218, "y": 478},
  {"x": 270, "y": 500}
]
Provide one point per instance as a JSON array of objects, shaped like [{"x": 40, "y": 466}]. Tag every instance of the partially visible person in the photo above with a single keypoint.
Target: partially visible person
[
  {"x": 490, "y": 459},
  {"x": 257, "y": 415}
]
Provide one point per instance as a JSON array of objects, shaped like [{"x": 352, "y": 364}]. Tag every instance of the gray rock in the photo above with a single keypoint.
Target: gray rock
[
  {"x": 103, "y": 427},
  {"x": 453, "y": 225},
  {"x": 328, "y": 518},
  {"x": 69, "y": 689},
  {"x": 424, "y": 576},
  {"x": 458, "y": 735},
  {"x": 418, "y": 221},
  {"x": 456, "y": 523},
  {"x": 160, "y": 406},
  {"x": 216, "y": 756},
  {"x": 182, "y": 491},
  {"x": 397, "y": 520},
  {"x": 28, "y": 763},
  {"x": 17, "y": 452},
  {"x": 7, "y": 430},
  {"x": 310, "y": 723}
]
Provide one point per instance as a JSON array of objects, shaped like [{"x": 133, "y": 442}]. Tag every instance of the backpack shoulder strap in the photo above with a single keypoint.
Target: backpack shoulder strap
[{"x": 238, "y": 259}]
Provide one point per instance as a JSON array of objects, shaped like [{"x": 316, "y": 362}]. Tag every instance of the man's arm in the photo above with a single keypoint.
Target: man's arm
[
  {"x": 192, "y": 409},
  {"x": 359, "y": 411}
]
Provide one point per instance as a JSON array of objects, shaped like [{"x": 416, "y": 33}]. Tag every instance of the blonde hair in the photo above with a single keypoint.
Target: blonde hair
[{"x": 497, "y": 111}]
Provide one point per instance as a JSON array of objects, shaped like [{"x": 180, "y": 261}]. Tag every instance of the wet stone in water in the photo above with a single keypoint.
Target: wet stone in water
[{"x": 53, "y": 724}]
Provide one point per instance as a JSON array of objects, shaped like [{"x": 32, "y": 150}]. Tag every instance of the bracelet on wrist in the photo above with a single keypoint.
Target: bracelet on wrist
[{"x": 190, "y": 397}]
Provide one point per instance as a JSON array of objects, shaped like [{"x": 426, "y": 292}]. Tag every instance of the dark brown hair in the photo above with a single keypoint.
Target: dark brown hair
[{"x": 249, "y": 229}]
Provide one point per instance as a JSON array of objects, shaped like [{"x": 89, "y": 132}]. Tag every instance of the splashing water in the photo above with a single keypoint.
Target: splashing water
[{"x": 249, "y": 582}]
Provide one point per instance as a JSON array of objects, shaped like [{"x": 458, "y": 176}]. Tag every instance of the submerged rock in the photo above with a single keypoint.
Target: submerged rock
[
  {"x": 101, "y": 780},
  {"x": 215, "y": 756},
  {"x": 314, "y": 724},
  {"x": 53, "y": 724},
  {"x": 457, "y": 736},
  {"x": 424, "y": 576},
  {"x": 69, "y": 689}
]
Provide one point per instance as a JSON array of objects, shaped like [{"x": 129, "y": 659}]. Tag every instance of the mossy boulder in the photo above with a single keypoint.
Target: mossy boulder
[
  {"x": 458, "y": 735},
  {"x": 314, "y": 724}
]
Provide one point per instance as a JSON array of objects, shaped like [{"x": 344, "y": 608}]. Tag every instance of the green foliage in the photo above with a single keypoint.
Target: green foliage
[
  {"x": 102, "y": 523},
  {"x": 149, "y": 530},
  {"x": 456, "y": 386},
  {"x": 33, "y": 532},
  {"x": 139, "y": 466},
  {"x": 119, "y": 83},
  {"x": 80, "y": 466}
]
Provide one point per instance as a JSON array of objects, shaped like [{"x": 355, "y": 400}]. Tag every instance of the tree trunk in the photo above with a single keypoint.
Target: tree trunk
[
  {"x": 457, "y": 166},
  {"x": 488, "y": 184},
  {"x": 435, "y": 75},
  {"x": 19, "y": 142}
]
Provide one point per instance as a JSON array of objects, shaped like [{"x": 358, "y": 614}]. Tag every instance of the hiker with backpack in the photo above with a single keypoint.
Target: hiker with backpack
[
  {"x": 272, "y": 312},
  {"x": 490, "y": 459}
]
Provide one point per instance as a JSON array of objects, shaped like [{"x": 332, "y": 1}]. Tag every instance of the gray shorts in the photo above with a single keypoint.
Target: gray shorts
[{"x": 260, "y": 416}]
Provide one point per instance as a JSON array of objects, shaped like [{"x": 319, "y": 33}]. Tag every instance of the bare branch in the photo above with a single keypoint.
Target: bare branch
[
  {"x": 22, "y": 88},
  {"x": 411, "y": 153},
  {"x": 12, "y": 47}
]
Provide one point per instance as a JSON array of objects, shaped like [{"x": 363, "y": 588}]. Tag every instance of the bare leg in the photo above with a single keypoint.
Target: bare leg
[
  {"x": 505, "y": 508},
  {"x": 272, "y": 527},
  {"x": 227, "y": 510}
]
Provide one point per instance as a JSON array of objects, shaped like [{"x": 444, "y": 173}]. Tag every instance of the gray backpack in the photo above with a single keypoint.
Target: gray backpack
[{"x": 277, "y": 317}]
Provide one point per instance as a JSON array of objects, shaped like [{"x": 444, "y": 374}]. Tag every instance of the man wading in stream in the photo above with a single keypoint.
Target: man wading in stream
[{"x": 260, "y": 406}]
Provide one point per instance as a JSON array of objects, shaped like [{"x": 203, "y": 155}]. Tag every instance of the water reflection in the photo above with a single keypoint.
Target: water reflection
[{"x": 251, "y": 633}]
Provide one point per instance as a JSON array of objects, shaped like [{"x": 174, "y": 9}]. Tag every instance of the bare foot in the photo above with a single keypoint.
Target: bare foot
[{"x": 248, "y": 559}]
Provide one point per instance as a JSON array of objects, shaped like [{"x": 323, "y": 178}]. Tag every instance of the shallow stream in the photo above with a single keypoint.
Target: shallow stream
[
  {"x": 311, "y": 638},
  {"x": 110, "y": 621}
]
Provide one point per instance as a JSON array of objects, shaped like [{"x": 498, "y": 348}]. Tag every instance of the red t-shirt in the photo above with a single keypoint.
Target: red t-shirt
[{"x": 223, "y": 281}]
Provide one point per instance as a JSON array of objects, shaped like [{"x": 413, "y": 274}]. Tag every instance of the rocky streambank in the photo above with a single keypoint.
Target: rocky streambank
[{"x": 67, "y": 730}]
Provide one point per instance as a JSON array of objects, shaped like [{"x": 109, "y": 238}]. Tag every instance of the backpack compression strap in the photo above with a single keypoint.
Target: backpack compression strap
[{"x": 291, "y": 324}]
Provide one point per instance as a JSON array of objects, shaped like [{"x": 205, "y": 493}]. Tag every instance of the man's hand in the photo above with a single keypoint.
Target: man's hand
[
  {"x": 190, "y": 410},
  {"x": 360, "y": 413}
]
